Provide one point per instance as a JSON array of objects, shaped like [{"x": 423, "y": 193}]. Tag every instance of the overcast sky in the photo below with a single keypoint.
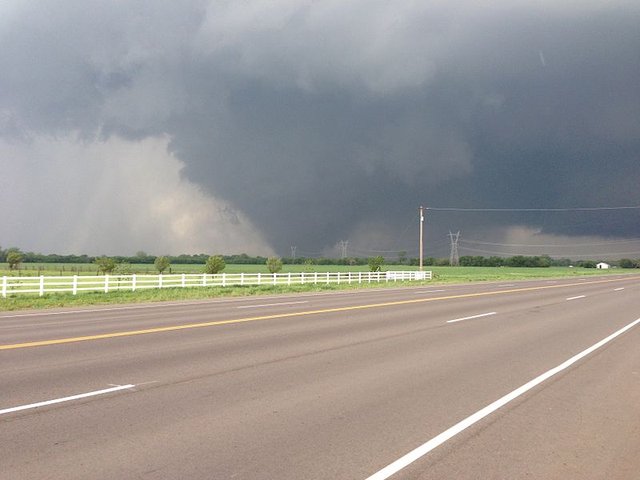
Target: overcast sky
[{"x": 254, "y": 126}]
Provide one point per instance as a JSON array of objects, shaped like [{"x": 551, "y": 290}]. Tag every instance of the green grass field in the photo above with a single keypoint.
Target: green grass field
[
  {"x": 64, "y": 269},
  {"x": 481, "y": 274},
  {"x": 440, "y": 275},
  {"x": 459, "y": 274}
]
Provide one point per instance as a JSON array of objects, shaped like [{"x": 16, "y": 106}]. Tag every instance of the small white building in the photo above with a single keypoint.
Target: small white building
[{"x": 603, "y": 265}]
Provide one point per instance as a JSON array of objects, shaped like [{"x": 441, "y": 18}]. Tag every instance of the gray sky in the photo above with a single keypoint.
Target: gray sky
[{"x": 252, "y": 126}]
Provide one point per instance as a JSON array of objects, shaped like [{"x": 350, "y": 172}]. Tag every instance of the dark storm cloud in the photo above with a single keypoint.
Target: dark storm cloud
[{"x": 317, "y": 119}]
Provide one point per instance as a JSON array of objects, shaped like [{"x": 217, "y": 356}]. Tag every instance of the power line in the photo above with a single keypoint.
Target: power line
[
  {"x": 379, "y": 251},
  {"x": 310, "y": 254},
  {"x": 586, "y": 255},
  {"x": 571, "y": 209},
  {"x": 477, "y": 242}
]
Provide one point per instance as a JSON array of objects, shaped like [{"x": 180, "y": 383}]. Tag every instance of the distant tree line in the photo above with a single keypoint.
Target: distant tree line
[
  {"x": 138, "y": 258},
  {"x": 539, "y": 261}
]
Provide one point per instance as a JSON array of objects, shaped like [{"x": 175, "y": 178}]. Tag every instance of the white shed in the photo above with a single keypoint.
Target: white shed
[{"x": 603, "y": 265}]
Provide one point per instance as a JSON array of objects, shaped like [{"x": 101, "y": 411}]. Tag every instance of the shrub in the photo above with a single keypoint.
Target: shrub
[
  {"x": 274, "y": 264},
  {"x": 14, "y": 259},
  {"x": 214, "y": 264},
  {"x": 376, "y": 263},
  {"x": 162, "y": 263},
  {"x": 105, "y": 264},
  {"x": 123, "y": 268}
]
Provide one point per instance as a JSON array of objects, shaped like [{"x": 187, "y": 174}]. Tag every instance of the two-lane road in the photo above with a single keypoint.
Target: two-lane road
[{"x": 333, "y": 385}]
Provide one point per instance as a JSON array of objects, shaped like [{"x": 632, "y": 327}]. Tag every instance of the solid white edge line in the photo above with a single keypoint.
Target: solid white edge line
[
  {"x": 576, "y": 298},
  {"x": 471, "y": 317},
  {"x": 425, "y": 448},
  {"x": 618, "y": 289},
  {"x": 65, "y": 399}
]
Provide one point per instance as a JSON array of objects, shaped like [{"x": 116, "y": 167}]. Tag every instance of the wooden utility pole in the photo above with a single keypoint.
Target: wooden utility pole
[{"x": 421, "y": 236}]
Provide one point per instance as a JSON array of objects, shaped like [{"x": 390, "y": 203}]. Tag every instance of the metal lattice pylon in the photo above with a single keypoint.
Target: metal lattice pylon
[{"x": 454, "y": 257}]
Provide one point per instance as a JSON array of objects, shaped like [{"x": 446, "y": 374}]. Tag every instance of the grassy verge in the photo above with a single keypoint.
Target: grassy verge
[
  {"x": 25, "y": 301},
  {"x": 442, "y": 275}
]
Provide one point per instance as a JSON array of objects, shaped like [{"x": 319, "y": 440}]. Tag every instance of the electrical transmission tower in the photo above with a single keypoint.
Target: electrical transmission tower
[
  {"x": 343, "y": 248},
  {"x": 454, "y": 257},
  {"x": 293, "y": 252}
]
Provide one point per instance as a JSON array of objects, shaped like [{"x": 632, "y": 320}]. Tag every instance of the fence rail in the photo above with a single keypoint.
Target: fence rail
[{"x": 109, "y": 283}]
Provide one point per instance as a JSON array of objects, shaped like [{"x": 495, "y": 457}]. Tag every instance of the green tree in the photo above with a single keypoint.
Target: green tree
[
  {"x": 308, "y": 264},
  {"x": 274, "y": 264},
  {"x": 162, "y": 263},
  {"x": 545, "y": 261},
  {"x": 214, "y": 264},
  {"x": 105, "y": 264},
  {"x": 14, "y": 258},
  {"x": 626, "y": 263},
  {"x": 123, "y": 268},
  {"x": 587, "y": 264},
  {"x": 376, "y": 263},
  {"x": 516, "y": 261}
]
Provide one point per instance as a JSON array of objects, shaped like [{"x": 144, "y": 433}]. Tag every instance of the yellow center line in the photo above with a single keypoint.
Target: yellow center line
[{"x": 128, "y": 333}]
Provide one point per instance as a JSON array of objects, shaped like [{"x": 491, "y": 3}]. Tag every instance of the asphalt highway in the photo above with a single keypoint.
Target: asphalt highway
[{"x": 527, "y": 379}]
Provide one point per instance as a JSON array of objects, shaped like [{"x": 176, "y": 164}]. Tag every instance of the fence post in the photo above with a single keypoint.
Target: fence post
[
  {"x": 289, "y": 279},
  {"x": 160, "y": 281},
  {"x": 184, "y": 280},
  {"x": 133, "y": 282},
  {"x": 75, "y": 285},
  {"x": 359, "y": 277},
  {"x": 242, "y": 278},
  {"x": 315, "y": 277},
  {"x": 224, "y": 279},
  {"x": 259, "y": 276},
  {"x": 4, "y": 286},
  {"x": 349, "y": 278},
  {"x": 301, "y": 278},
  {"x": 106, "y": 283},
  {"x": 41, "y": 285},
  {"x": 275, "y": 279}
]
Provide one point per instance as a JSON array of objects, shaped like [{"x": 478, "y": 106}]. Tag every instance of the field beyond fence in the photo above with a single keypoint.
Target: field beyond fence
[{"x": 70, "y": 269}]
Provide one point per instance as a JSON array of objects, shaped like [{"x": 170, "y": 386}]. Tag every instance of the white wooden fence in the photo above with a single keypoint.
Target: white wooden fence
[{"x": 109, "y": 283}]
